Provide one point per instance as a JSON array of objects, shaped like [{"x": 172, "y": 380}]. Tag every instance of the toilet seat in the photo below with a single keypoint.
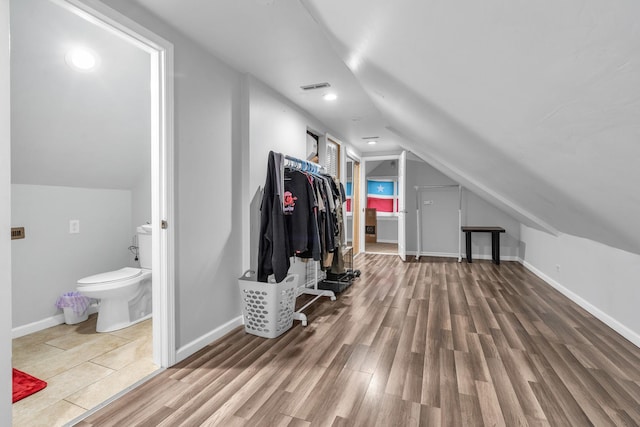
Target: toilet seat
[
  {"x": 117, "y": 279},
  {"x": 111, "y": 276}
]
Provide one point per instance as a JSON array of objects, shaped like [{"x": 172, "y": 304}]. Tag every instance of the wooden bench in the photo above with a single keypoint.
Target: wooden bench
[{"x": 495, "y": 240}]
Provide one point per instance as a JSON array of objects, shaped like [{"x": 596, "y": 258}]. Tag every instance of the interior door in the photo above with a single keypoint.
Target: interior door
[
  {"x": 402, "y": 207},
  {"x": 355, "y": 208},
  {"x": 439, "y": 221}
]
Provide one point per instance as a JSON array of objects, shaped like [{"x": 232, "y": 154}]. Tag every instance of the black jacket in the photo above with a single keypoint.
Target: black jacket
[{"x": 273, "y": 249}]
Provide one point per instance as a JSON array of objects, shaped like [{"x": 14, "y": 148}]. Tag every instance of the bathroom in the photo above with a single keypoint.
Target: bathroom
[{"x": 81, "y": 156}]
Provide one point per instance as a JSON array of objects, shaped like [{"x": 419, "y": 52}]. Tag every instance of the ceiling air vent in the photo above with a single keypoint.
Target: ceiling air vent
[
  {"x": 370, "y": 137},
  {"x": 315, "y": 86},
  {"x": 17, "y": 233}
]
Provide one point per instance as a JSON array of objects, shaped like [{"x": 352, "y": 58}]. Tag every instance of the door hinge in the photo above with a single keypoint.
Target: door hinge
[{"x": 164, "y": 224}]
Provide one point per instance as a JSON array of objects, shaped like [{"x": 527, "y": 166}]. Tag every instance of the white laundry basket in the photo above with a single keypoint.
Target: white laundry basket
[{"x": 267, "y": 308}]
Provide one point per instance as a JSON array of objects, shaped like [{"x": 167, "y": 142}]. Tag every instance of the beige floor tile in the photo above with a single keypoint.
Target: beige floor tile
[
  {"x": 102, "y": 390},
  {"x": 55, "y": 415},
  {"x": 69, "y": 371},
  {"x": 42, "y": 336},
  {"x": 137, "y": 331},
  {"x": 127, "y": 354},
  {"x": 33, "y": 354},
  {"x": 59, "y": 363},
  {"x": 69, "y": 341},
  {"x": 60, "y": 386}
]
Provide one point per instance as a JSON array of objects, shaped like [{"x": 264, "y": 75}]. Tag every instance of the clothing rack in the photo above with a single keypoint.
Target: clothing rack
[
  {"x": 419, "y": 214},
  {"x": 309, "y": 286},
  {"x": 304, "y": 165}
]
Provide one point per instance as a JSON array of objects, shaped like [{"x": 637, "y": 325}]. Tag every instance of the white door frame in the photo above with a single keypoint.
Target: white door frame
[
  {"x": 402, "y": 206},
  {"x": 363, "y": 198},
  {"x": 163, "y": 259},
  {"x": 355, "y": 159}
]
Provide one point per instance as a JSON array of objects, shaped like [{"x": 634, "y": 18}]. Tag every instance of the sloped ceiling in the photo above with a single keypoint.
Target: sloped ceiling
[
  {"x": 71, "y": 128},
  {"x": 535, "y": 106}
]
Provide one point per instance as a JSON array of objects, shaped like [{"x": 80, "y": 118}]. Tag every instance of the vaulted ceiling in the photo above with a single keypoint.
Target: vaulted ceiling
[
  {"x": 73, "y": 128},
  {"x": 533, "y": 105}
]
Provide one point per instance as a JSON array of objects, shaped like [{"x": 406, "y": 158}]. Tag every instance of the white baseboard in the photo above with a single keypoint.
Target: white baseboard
[
  {"x": 489, "y": 257},
  {"x": 386, "y": 241},
  {"x": 439, "y": 254},
  {"x": 464, "y": 256},
  {"x": 48, "y": 322},
  {"x": 593, "y": 310},
  {"x": 206, "y": 339}
]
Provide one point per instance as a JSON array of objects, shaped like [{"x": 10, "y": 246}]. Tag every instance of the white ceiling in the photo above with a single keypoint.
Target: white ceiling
[
  {"x": 70, "y": 128},
  {"x": 535, "y": 106},
  {"x": 280, "y": 43}
]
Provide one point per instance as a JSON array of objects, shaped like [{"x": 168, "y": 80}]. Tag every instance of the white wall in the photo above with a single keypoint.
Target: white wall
[
  {"x": 382, "y": 169},
  {"x": 5, "y": 220},
  {"x": 276, "y": 124},
  {"x": 141, "y": 199},
  {"x": 602, "y": 279},
  {"x": 208, "y": 176},
  {"x": 50, "y": 260},
  {"x": 475, "y": 210},
  {"x": 387, "y": 229}
]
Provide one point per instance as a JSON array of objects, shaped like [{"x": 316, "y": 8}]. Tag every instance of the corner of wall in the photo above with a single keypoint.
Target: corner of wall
[
  {"x": 207, "y": 339},
  {"x": 5, "y": 219},
  {"x": 577, "y": 268}
]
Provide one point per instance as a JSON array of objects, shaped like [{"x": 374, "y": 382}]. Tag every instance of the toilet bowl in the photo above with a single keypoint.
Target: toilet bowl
[{"x": 124, "y": 295}]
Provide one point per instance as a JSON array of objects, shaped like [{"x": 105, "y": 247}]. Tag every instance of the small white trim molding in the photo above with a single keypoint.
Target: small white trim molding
[
  {"x": 593, "y": 310},
  {"x": 464, "y": 256},
  {"x": 387, "y": 241},
  {"x": 208, "y": 338},
  {"x": 58, "y": 319}
]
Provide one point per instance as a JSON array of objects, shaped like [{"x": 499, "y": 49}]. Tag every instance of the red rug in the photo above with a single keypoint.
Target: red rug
[{"x": 25, "y": 385}]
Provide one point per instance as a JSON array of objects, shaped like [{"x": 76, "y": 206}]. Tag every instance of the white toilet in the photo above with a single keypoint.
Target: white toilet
[{"x": 125, "y": 294}]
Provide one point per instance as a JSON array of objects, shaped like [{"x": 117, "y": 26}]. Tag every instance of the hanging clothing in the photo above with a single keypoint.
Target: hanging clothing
[
  {"x": 337, "y": 265},
  {"x": 300, "y": 214},
  {"x": 273, "y": 246}
]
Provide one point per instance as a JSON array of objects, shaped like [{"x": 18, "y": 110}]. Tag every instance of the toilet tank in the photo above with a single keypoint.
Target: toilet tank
[{"x": 144, "y": 245}]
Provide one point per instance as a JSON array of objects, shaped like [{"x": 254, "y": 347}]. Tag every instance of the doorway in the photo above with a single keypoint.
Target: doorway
[
  {"x": 158, "y": 176},
  {"x": 383, "y": 199},
  {"x": 353, "y": 204}
]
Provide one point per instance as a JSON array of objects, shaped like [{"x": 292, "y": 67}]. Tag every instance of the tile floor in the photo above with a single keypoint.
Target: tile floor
[{"x": 82, "y": 368}]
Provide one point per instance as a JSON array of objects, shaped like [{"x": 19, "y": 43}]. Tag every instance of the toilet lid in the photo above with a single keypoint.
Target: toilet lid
[{"x": 111, "y": 276}]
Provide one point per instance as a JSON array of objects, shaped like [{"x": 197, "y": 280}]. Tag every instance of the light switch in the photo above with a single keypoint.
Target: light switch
[{"x": 74, "y": 226}]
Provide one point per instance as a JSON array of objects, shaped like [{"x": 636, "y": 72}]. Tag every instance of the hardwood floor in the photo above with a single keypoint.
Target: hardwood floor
[
  {"x": 433, "y": 342},
  {"x": 381, "y": 248}
]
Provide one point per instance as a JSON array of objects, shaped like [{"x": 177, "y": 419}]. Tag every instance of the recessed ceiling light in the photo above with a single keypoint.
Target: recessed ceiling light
[
  {"x": 81, "y": 59},
  {"x": 330, "y": 97},
  {"x": 372, "y": 142}
]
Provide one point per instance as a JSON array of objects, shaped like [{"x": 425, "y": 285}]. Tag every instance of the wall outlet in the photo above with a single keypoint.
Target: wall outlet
[{"x": 74, "y": 226}]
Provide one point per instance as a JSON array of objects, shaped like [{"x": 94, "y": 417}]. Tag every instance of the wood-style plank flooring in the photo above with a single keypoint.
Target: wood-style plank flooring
[
  {"x": 433, "y": 342},
  {"x": 380, "y": 248}
]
